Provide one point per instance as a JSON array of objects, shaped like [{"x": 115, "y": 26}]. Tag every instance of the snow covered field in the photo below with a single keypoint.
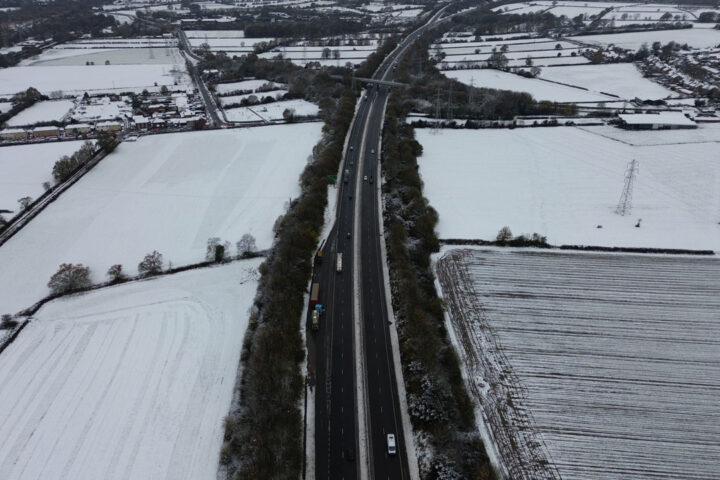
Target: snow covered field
[
  {"x": 122, "y": 56},
  {"x": 242, "y": 86},
  {"x": 621, "y": 79},
  {"x": 605, "y": 365},
  {"x": 563, "y": 182},
  {"x": 48, "y": 111},
  {"x": 694, "y": 37},
  {"x": 93, "y": 79},
  {"x": 24, "y": 168},
  {"x": 234, "y": 99},
  {"x": 540, "y": 90},
  {"x": 127, "y": 382},
  {"x": 271, "y": 111},
  {"x": 544, "y": 51},
  {"x": 164, "y": 192}
]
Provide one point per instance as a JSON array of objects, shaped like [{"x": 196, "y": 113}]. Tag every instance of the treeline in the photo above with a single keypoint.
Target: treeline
[
  {"x": 21, "y": 101},
  {"x": 308, "y": 84},
  {"x": 438, "y": 403},
  {"x": 263, "y": 436},
  {"x": 486, "y": 22},
  {"x": 311, "y": 28},
  {"x": 61, "y": 20}
]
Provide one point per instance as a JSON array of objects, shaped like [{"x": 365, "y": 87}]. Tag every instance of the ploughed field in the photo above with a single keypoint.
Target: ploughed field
[
  {"x": 591, "y": 366},
  {"x": 127, "y": 382}
]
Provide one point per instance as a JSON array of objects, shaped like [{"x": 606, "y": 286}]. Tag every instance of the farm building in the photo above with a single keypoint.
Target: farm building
[
  {"x": 655, "y": 121},
  {"x": 45, "y": 132},
  {"x": 14, "y": 134}
]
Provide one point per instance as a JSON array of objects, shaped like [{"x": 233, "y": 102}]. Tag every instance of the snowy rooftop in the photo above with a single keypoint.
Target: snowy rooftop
[
  {"x": 665, "y": 118},
  {"x": 9, "y": 131}
]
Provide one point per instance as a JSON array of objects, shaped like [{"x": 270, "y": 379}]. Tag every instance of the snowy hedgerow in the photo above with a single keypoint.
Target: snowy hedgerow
[
  {"x": 431, "y": 405},
  {"x": 444, "y": 469},
  {"x": 69, "y": 277},
  {"x": 151, "y": 265}
]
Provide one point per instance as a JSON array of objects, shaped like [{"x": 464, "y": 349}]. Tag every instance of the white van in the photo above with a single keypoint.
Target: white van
[{"x": 392, "y": 448}]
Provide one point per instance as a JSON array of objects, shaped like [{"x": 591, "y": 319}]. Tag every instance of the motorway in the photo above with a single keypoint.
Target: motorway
[{"x": 356, "y": 316}]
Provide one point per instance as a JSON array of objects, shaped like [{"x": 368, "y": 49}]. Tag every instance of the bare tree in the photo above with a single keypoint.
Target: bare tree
[
  {"x": 504, "y": 236},
  {"x": 246, "y": 245},
  {"x": 69, "y": 277},
  {"x": 116, "y": 274},
  {"x": 151, "y": 265}
]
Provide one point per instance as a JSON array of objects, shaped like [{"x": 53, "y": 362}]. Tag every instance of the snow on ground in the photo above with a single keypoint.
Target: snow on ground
[
  {"x": 164, "y": 192},
  {"x": 229, "y": 43},
  {"x": 233, "y": 99},
  {"x": 271, "y": 111},
  {"x": 539, "y": 89},
  {"x": 121, "y": 56},
  {"x": 621, "y": 79},
  {"x": 245, "y": 85},
  {"x": 93, "y": 79},
  {"x": 695, "y": 37},
  {"x": 563, "y": 182},
  {"x": 5, "y": 107},
  {"x": 24, "y": 168},
  {"x": 214, "y": 34},
  {"x": 127, "y": 382},
  {"x": 606, "y": 365},
  {"x": 48, "y": 111}
]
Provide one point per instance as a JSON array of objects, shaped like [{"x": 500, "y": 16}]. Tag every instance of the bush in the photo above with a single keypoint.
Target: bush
[
  {"x": 7, "y": 322},
  {"x": 69, "y": 278}
]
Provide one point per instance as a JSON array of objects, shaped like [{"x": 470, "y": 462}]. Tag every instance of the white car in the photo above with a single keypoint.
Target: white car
[
  {"x": 391, "y": 446},
  {"x": 365, "y": 178}
]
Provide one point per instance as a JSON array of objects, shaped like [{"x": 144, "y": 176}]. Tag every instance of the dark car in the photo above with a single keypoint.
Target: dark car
[{"x": 350, "y": 454}]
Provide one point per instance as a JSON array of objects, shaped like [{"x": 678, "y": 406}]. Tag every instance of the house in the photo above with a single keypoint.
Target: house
[
  {"x": 46, "y": 132},
  {"x": 75, "y": 129},
  {"x": 13, "y": 134},
  {"x": 655, "y": 121},
  {"x": 108, "y": 126},
  {"x": 141, "y": 122}
]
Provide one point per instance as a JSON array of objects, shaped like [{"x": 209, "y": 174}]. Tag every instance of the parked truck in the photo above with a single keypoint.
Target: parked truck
[{"x": 339, "y": 262}]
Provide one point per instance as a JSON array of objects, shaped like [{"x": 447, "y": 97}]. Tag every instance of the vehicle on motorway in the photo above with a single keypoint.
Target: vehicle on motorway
[
  {"x": 347, "y": 175},
  {"x": 352, "y": 148},
  {"x": 365, "y": 178},
  {"x": 372, "y": 151},
  {"x": 348, "y": 235},
  {"x": 314, "y": 294},
  {"x": 316, "y": 319},
  {"x": 371, "y": 179},
  {"x": 350, "y": 454},
  {"x": 339, "y": 262},
  {"x": 391, "y": 446}
]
